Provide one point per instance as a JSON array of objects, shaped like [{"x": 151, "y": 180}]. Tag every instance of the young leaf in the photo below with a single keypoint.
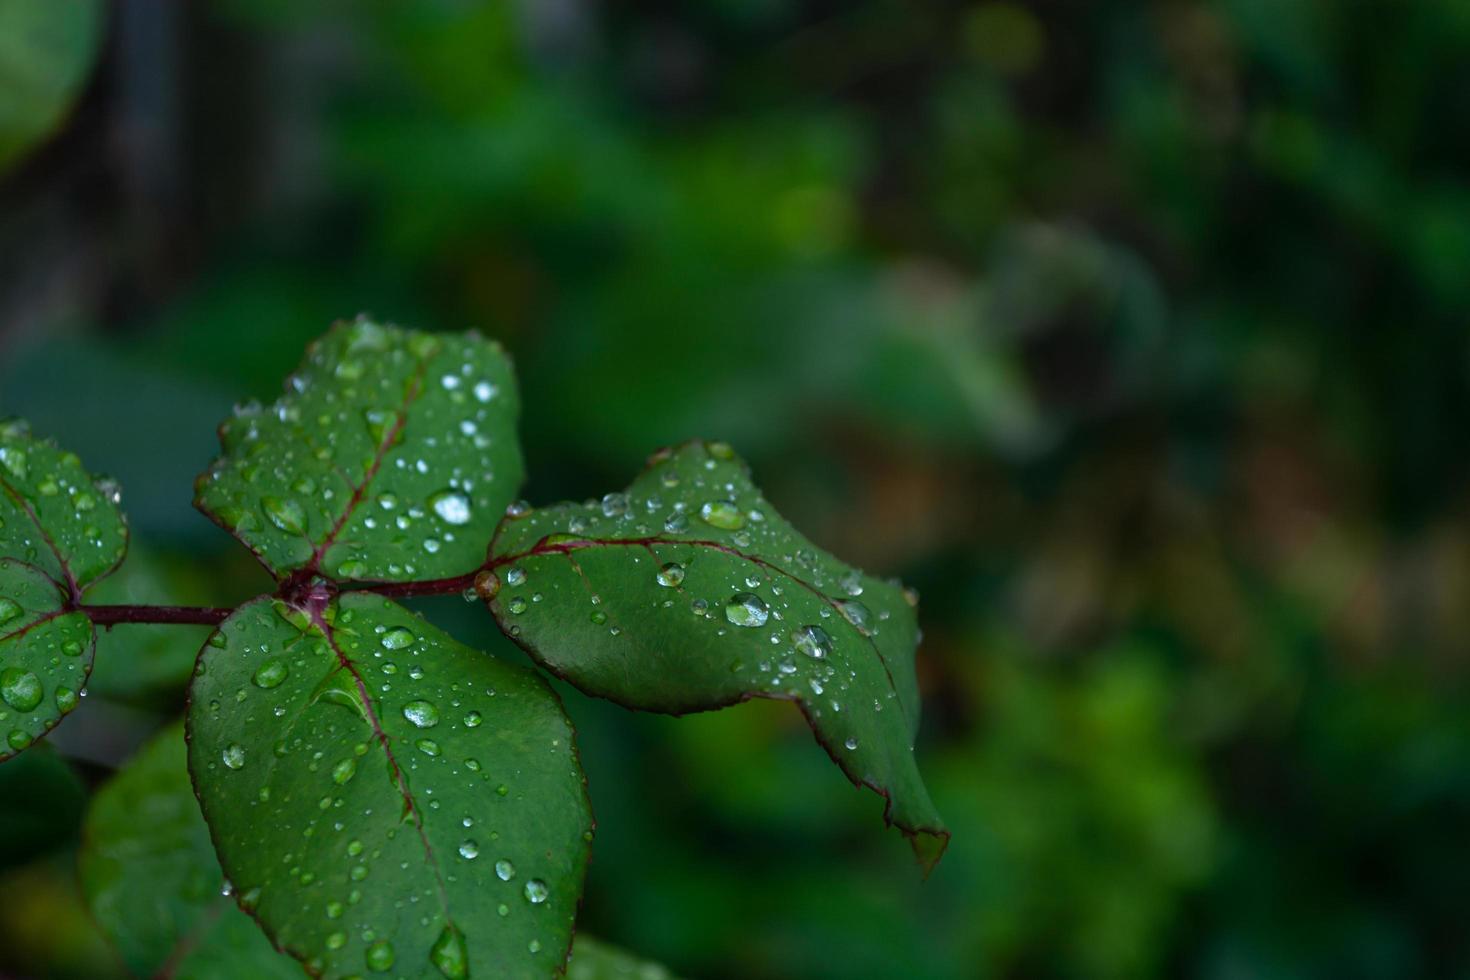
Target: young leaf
[
  {"x": 385, "y": 798},
  {"x": 391, "y": 457},
  {"x": 154, "y": 886},
  {"x": 593, "y": 959},
  {"x": 45, "y": 654},
  {"x": 53, "y": 515},
  {"x": 689, "y": 592}
]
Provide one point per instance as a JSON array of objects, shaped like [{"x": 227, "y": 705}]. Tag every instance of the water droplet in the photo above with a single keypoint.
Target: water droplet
[
  {"x": 812, "y": 641},
  {"x": 484, "y": 391},
  {"x": 17, "y": 739},
  {"x": 380, "y": 422},
  {"x": 397, "y": 638},
  {"x": 66, "y": 699},
  {"x": 421, "y": 713},
  {"x": 286, "y": 514},
  {"x": 449, "y": 954},
  {"x": 504, "y": 870},
  {"x": 73, "y": 648},
  {"x": 671, "y": 574},
  {"x": 344, "y": 770},
  {"x": 380, "y": 956},
  {"x": 352, "y": 568},
  {"x": 452, "y": 506},
  {"x": 9, "y": 609},
  {"x": 747, "y": 609},
  {"x": 857, "y": 614},
  {"x": 536, "y": 891},
  {"x": 234, "y": 755},
  {"x": 487, "y": 585},
  {"x": 614, "y": 504},
  {"x": 270, "y": 673},
  {"x": 337, "y": 940},
  {"x": 852, "y": 583},
  {"x": 427, "y": 746},
  {"x": 515, "y": 575},
  {"x": 517, "y": 508},
  {"x": 517, "y": 605},
  {"x": 473, "y": 719},
  {"x": 722, "y": 514},
  {"x": 21, "y": 689},
  {"x": 469, "y": 850},
  {"x": 851, "y": 744}
]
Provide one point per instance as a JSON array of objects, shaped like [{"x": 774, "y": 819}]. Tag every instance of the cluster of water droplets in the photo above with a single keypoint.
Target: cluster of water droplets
[
  {"x": 710, "y": 544},
  {"x": 371, "y": 798},
  {"x": 42, "y": 656},
  {"x": 387, "y": 442}
]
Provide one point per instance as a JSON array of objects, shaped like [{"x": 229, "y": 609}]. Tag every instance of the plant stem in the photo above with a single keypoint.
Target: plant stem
[
  {"x": 110, "y": 616},
  {"x": 433, "y": 586}
]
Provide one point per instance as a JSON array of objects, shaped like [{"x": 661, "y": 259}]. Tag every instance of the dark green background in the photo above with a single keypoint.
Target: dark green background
[{"x": 1133, "y": 334}]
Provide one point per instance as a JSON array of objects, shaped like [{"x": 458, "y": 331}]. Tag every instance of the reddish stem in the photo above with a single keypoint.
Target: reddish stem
[{"x": 110, "y": 616}]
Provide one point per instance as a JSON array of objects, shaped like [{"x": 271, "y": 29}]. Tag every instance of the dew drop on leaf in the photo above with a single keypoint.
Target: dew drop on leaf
[
  {"x": 469, "y": 850},
  {"x": 747, "y": 609},
  {"x": 380, "y": 956},
  {"x": 449, "y": 955},
  {"x": 421, "y": 713},
  {"x": 9, "y": 609},
  {"x": 397, "y": 638},
  {"x": 858, "y": 615},
  {"x": 20, "y": 689},
  {"x": 722, "y": 514},
  {"x": 536, "y": 891},
  {"x": 671, "y": 574},
  {"x": 284, "y": 513},
  {"x": 812, "y": 641},
  {"x": 504, "y": 870},
  {"x": 233, "y": 755},
  {"x": 270, "y": 673},
  {"x": 451, "y": 506}
]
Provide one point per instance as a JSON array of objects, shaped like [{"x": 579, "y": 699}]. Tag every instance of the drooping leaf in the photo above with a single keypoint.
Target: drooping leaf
[
  {"x": 153, "y": 883},
  {"x": 53, "y": 514},
  {"x": 689, "y": 592},
  {"x": 45, "y": 654},
  {"x": 593, "y": 959},
  {"x": 391, "y": 457},
  {"x": 46, "y": 52},
  {"x": 385, "y": 798}
]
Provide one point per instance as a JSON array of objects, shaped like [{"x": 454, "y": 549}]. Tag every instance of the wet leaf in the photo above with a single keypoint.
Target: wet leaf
[
  {"x": 593, "y": 959},
  {"x": 46, "y": 52},
  {"x": 391, "y": 457},
  {"x": 53, "y": 514},
  {"x": 385, "y": 798},
  {"x": 689, "y": 592},
  {"x": 153, "y": 883},
  {"x": 45, "y": 655},
  {"x": 60, "y": 531}
]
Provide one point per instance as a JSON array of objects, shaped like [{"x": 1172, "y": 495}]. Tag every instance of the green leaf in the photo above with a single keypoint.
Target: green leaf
[
  {"x": 46, "y": 52},
  {"x": 60, "y": 531},
  {"x": 391, "y": 457},
  {"x": 386, "y": 798},
  {"x": 593, "y": 959},
  {"x": 153, "y": 883},
  {"x": 689, "y": 592},
  {"x": 53, "y": 514},
  {"x": 45, "y": 655}
]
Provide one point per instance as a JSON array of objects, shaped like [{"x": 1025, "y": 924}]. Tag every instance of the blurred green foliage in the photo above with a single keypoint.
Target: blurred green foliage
[{"x": 1132, "y": 333}]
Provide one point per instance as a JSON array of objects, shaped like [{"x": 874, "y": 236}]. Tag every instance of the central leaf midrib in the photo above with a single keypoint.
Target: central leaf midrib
[
  {"x": 415, "y": 389},
  {"x": 398, "y": 775}
]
